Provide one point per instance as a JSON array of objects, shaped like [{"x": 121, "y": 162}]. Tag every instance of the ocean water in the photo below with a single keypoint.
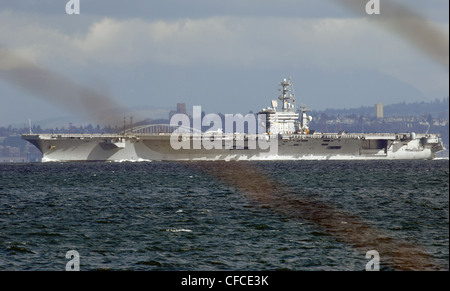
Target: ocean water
[{"x": 234, "y": 216}]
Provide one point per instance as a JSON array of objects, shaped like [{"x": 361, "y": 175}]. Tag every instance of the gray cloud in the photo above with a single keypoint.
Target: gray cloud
[{"x": 135, "y": 47}]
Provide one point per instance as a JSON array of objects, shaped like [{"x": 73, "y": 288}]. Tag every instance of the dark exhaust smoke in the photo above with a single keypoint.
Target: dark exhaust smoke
[
  {"x": 59, "y": 90},
  {"x": 410, "y": 26},
  {"x": 259, "y": 187}
]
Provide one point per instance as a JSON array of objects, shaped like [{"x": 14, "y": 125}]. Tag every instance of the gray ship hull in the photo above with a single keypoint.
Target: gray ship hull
[
  {"x": 277, "y": 142},
  {"x": 157, "y": 147}
]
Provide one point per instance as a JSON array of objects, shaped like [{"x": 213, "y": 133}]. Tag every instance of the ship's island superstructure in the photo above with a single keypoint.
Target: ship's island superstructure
[{"x": 286, "y": 135}]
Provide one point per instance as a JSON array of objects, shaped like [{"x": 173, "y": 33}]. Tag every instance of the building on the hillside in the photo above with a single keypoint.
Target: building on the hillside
[{"x": 379, "y": 110}]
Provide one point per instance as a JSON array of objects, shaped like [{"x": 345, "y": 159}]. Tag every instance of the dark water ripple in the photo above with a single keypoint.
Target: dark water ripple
[{"x": 176, "y": 216}]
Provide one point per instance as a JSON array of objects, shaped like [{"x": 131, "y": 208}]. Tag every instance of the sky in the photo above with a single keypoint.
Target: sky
[{"x": 226, "y": 56}]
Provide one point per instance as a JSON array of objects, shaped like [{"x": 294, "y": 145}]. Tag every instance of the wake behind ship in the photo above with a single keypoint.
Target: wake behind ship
[{"x": 286, "y": 136}]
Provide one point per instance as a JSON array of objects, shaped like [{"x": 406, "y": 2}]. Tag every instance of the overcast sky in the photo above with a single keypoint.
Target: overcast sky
[{"x": 226, "y": 56}]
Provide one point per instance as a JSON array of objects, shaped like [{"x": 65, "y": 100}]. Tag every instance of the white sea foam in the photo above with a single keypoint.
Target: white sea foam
[
  {"x": 132, "y": 160},
  {"x": 49, "y": 160},
  {"x": 178, "y": 230}
]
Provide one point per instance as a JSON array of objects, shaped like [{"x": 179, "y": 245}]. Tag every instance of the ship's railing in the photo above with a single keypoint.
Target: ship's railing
[
  {"x": 72, "y": 135},
  {"x": 362, "y": 135},
  {"x": 161, "y": 128}
]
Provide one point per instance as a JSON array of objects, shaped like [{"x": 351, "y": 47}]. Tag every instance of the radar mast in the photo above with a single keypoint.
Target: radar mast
[{"x": 286, "y": 95}]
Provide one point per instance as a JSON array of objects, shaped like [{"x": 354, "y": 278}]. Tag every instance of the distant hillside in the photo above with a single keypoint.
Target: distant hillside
[{"x": 437, "y": 108}]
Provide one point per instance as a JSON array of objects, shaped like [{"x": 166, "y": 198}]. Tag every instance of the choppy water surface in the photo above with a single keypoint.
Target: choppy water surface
[{"x": 224, "y": 216}]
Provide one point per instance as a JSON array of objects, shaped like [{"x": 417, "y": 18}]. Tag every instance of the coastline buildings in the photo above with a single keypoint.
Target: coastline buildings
[
  {"x": 379, "y": 110},
  {"x": 17, "y": 152},
  {"x": 181, "y": 108},
  {"x": 431, "y": 117}
]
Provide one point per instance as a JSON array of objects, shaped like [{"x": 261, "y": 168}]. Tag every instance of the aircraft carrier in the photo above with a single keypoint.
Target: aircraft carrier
[{"x": 285, "y": 135}]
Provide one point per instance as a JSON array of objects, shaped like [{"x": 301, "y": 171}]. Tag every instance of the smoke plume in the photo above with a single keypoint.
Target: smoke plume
[
  {"x": 58, "y": 89},
  {"x": 259, "y": 187},
  {"x": 410, "y": 26}
]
